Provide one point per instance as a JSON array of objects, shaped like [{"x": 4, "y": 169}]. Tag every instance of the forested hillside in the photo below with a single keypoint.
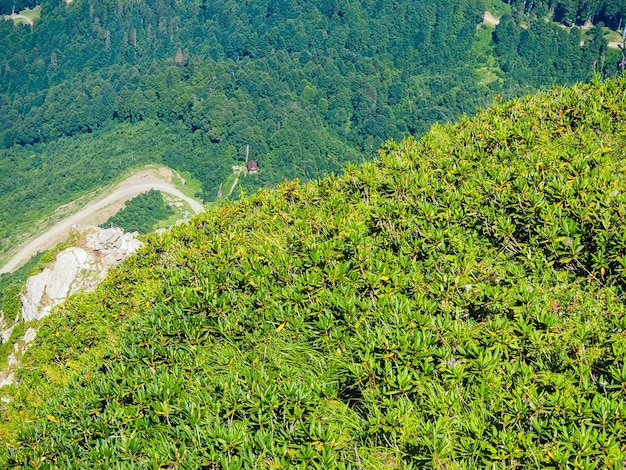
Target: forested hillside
[
  {"x": 297, "y": 81},
  {"x": 94, "y": 88},
  {"x": 568, "y": 12},
  {"x": 141, "y": 213},
  {"x": 457, "y": 303},
  {"x": 368, "y": 69}
]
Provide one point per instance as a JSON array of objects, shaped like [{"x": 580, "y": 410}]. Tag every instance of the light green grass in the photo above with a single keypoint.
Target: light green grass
[
  {"x": 34, "y": 14},
  {"x": 497, "y": 7},
  {"x": 608, "y": 34},
  {"x": 179, "y": 213},
  {"x": 612, "y": 36},
  {"x": 229, "y": 183},
  {"x": 186, "y": 183},
  {"x": 483, "y": 42},
  {"x": 487, "y": 67}
]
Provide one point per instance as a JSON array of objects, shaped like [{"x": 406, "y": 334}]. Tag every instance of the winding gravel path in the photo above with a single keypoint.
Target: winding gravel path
[
  {"x": 16, "y": 16},
  {"x": 99, "y": 211}
]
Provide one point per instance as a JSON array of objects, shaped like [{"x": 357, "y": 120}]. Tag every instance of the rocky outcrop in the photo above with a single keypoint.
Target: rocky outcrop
[
  {"x": 112, "y": 245},
  {"x": 77, "y": 269}
]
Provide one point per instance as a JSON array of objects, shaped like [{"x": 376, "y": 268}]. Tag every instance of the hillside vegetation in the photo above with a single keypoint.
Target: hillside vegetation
[
  {"x": 96, "y": 87},
  {"x": 142, "y": 214},
  {"x": 35, "y": 180},
  {"x": 457, "y": 303}
]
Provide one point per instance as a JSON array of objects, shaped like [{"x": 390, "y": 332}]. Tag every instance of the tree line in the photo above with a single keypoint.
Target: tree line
[
  {"x": 570, "y": 12},
  {"x": 307, "y": 85}
]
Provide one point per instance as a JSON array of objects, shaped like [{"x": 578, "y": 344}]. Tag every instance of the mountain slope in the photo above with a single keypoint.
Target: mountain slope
[
  {"x": 97, "y": 87},
  {"x": 457, "y": 303}
]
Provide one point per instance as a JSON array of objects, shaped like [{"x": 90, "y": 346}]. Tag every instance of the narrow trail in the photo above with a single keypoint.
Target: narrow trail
[
  {"x": 232, "y": 188},
  {"x": 16, "y": 16},
  {"x": 99, "y": 211}
]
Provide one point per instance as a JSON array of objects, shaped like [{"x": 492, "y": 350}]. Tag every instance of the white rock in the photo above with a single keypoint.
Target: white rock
[
  {"x": 12, "y": 359},
  {"x": 68, "y": 266},
  {"x": 6, "y": 334},
  {"x": 131, "y": 244},
  {"x": 7, "y": 380},
  {"x": 29, "y": 336},
  {"x": 109, "y": 260},
  {"x": 76, "y": 269},
  {"x": 104, "y": 239},
  {"x": 33, "y": 295},
  {"x": 45, "y": 311}
]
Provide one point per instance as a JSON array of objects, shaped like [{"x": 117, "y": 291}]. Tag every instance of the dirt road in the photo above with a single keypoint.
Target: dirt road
[
  {"x": 15, "y": 16},
  {"x": 100, "y": 210}
]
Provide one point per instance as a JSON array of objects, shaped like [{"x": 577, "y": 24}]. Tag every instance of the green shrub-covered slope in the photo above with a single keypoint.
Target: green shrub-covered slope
[{"x": 458, "y": 303}]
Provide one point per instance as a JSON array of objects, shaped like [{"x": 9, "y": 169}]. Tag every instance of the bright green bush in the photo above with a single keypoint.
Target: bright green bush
[
  {"x": 11, "y": 304},
  {"x": 458, "y": 303},
  {"x": 142, "y": 213}
]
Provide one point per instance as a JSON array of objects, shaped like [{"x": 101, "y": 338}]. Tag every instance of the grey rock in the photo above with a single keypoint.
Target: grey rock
[
  {"x": 29, "y": 336},
  {"x": 6, "y": 334},
  {"x": 12, "y": 359},
  {"x": 8, "y": 379},
  {"x": 76, "y": 269}
]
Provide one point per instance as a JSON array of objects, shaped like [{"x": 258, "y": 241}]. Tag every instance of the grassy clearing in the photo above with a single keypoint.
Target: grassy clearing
[
  {"x": 33, "y": 14},
  {"x": 482, "y": 47},
  {"x": 229, "y": 183},
  {"x": 181, "y": 211},
  {"x": 497, "y": 7},
  {"x": 186, "y": 183},
  {"x": 27, "y": 16},
  {"x": 612, "y": 36}
]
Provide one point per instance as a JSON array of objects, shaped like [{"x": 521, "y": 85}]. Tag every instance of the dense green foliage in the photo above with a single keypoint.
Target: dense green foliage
[
  {"x": 9, "y": 6},
  {"x": 36, "y": 179},
  {"x": 610, "y": 12},
  {"x": 182, "y": 61},
  {"x": 308, "y": 86},
  {"x": 142, "y": 213},
  {"x": 458, "y": 303},
  {"x": 520, "y": 46}
]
